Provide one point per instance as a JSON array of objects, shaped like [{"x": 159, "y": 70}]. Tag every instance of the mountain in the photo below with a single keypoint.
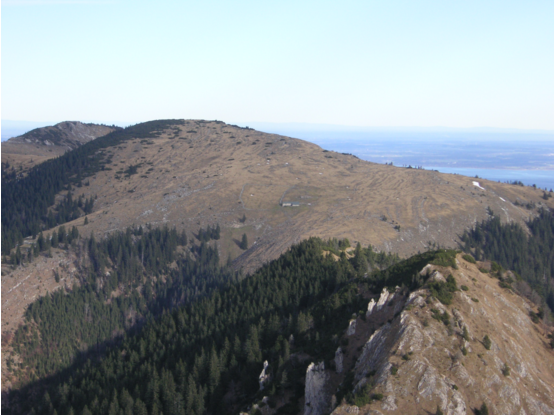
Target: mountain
[
  {"x": 153, "y": 218},
  {"x": 198, "y": 173},
  {"x": 27, "y": 150}
]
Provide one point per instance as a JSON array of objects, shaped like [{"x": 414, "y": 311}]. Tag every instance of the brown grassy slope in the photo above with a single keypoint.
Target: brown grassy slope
[
  {"x": 41, "y": 144},
  {"x": 437, "y": 373},
  {"x": 214, "y": 173}
]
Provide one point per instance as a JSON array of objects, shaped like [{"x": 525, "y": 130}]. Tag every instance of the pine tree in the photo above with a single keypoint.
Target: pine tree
[
  {"x": 244, "y": 242},
  {"x": 486, "y": 342}
]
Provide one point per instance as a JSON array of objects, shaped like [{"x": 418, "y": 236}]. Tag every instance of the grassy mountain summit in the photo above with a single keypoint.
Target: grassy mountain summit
[{"x": 192, "y": 174}]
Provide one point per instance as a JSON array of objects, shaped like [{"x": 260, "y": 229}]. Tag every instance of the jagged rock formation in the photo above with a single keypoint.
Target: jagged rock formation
[
  {"x": 418, "y": 363},
  {"x": 352, "y": 327},
  {"x": 339, "y": 360},
  {"x": 264, "y": 375},
  {"x": 371, "y": 306},
  {"x": 317, "y": 396}
]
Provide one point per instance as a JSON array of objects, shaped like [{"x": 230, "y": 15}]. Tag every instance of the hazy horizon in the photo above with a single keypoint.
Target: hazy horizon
[
  {"x": 400, "y": 63},
  {"x": 14, "y": 128}
]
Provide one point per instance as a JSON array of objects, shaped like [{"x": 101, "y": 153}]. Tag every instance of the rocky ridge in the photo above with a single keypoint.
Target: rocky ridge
[{"x": 404, "y": 360}]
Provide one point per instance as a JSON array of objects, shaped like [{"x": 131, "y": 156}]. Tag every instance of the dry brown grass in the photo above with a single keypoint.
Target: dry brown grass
[{"x": 206, "y": 178}]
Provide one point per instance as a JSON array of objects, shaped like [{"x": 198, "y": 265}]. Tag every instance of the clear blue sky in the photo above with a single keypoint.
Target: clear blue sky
[{"x": 362, "y": 63}]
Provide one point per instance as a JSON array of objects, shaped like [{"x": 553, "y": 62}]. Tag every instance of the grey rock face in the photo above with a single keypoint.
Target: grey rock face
[
  {"x": 371, "y": 306},
  {"x": 264, "y": 375},
  {"x": 317, "y": 398},
  {"x": 384, "y": 297},
  {"x": 339, "y": 360},
  {"x": 437, "y": 276},
  {"x": 352, "y": 327}
]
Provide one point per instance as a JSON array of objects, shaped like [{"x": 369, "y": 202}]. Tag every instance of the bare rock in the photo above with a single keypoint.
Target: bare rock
[
  {"x": 264, "y": 375},
  {"x": 437, "y": 276},
  {"x": 352, "y": 327},
  {"x": 317, "y": 397},
  {"x": 339, "y": 360},
  {"x": 389, "y": 403},
  {"x": 384, "y": 297},
  {"x": 371, "y": 306}
]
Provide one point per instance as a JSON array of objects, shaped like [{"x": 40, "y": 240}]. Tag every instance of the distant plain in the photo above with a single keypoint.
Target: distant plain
[{"x": 493, "y": 154}]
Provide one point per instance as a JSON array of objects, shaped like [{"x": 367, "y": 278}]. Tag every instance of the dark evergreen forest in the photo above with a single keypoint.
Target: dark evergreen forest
[
  {"x": 129, "y": 277},
  {"x": 531, "y": 256},
  {"x": 202, "y": 327},
  {"x": 26, "y": 201}
]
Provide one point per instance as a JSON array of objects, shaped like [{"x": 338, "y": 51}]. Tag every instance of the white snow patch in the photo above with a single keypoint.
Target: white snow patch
[
  {"x": 477, "y": 184},
  {"x": 502, "y": 199}
]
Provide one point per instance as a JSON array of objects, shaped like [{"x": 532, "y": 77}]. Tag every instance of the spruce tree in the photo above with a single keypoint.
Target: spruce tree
[{"x": 244, "y": 242}]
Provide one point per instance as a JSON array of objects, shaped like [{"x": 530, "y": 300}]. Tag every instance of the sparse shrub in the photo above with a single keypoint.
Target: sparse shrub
[
  {"x": 464, "y": 351},
  {"x": 362, "y": 397},
  {"x": 425, "y": 323},
  {"x": 439, "y": 316},
  {"x": 377, "y": 396},
  {"x": 406, "y": 357},
  {"x": 486, "y": 342},
  {"x": 445, "y": 258},
  {"x": 393, "y": 370},
  {"x": 443, "y": 291},
  {"x": 464, "y": 288},
  {"x": 483, "y": 410},
  {"x": 475, "y": 300},
  {"x": 506, "y": 370},
  {"x": 495, "y": 267},
  {"x": 439, "y": 411},
  {"x": 465, "y": 334},
  {"x": 244, "y": 242},
  {"x": 534, "y": 317},
  {"x": 469, "y": 258}
]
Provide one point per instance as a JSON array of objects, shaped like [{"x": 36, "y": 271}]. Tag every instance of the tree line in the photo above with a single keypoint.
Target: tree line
[
  {"x": 509, "y": 245},
  {"x": 190, "y": 359}
]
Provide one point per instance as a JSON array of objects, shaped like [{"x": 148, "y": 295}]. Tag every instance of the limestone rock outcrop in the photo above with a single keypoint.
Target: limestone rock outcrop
[
  {"x": 339, "y": 360},
  {"x": 317, "y": 395},
  {"x": 352, "y": 327},
  {"x": 264, "y": 375},
  {"x": 418, "y": 362}
]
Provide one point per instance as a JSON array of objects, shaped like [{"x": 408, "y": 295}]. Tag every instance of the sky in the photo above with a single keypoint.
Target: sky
[{"x": 459, "y": 64}]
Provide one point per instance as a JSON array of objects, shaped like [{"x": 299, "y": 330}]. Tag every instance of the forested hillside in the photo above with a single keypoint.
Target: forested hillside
[
  {"x": 130, "y": 277},
  {"x": 509, "y": 245},
  {"x": 189, "y": 359},
  {"x": 26, "y": 202}
]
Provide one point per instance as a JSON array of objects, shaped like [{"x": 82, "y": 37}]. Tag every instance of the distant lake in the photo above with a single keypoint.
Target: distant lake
[{"x": 541, "y": 178}]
